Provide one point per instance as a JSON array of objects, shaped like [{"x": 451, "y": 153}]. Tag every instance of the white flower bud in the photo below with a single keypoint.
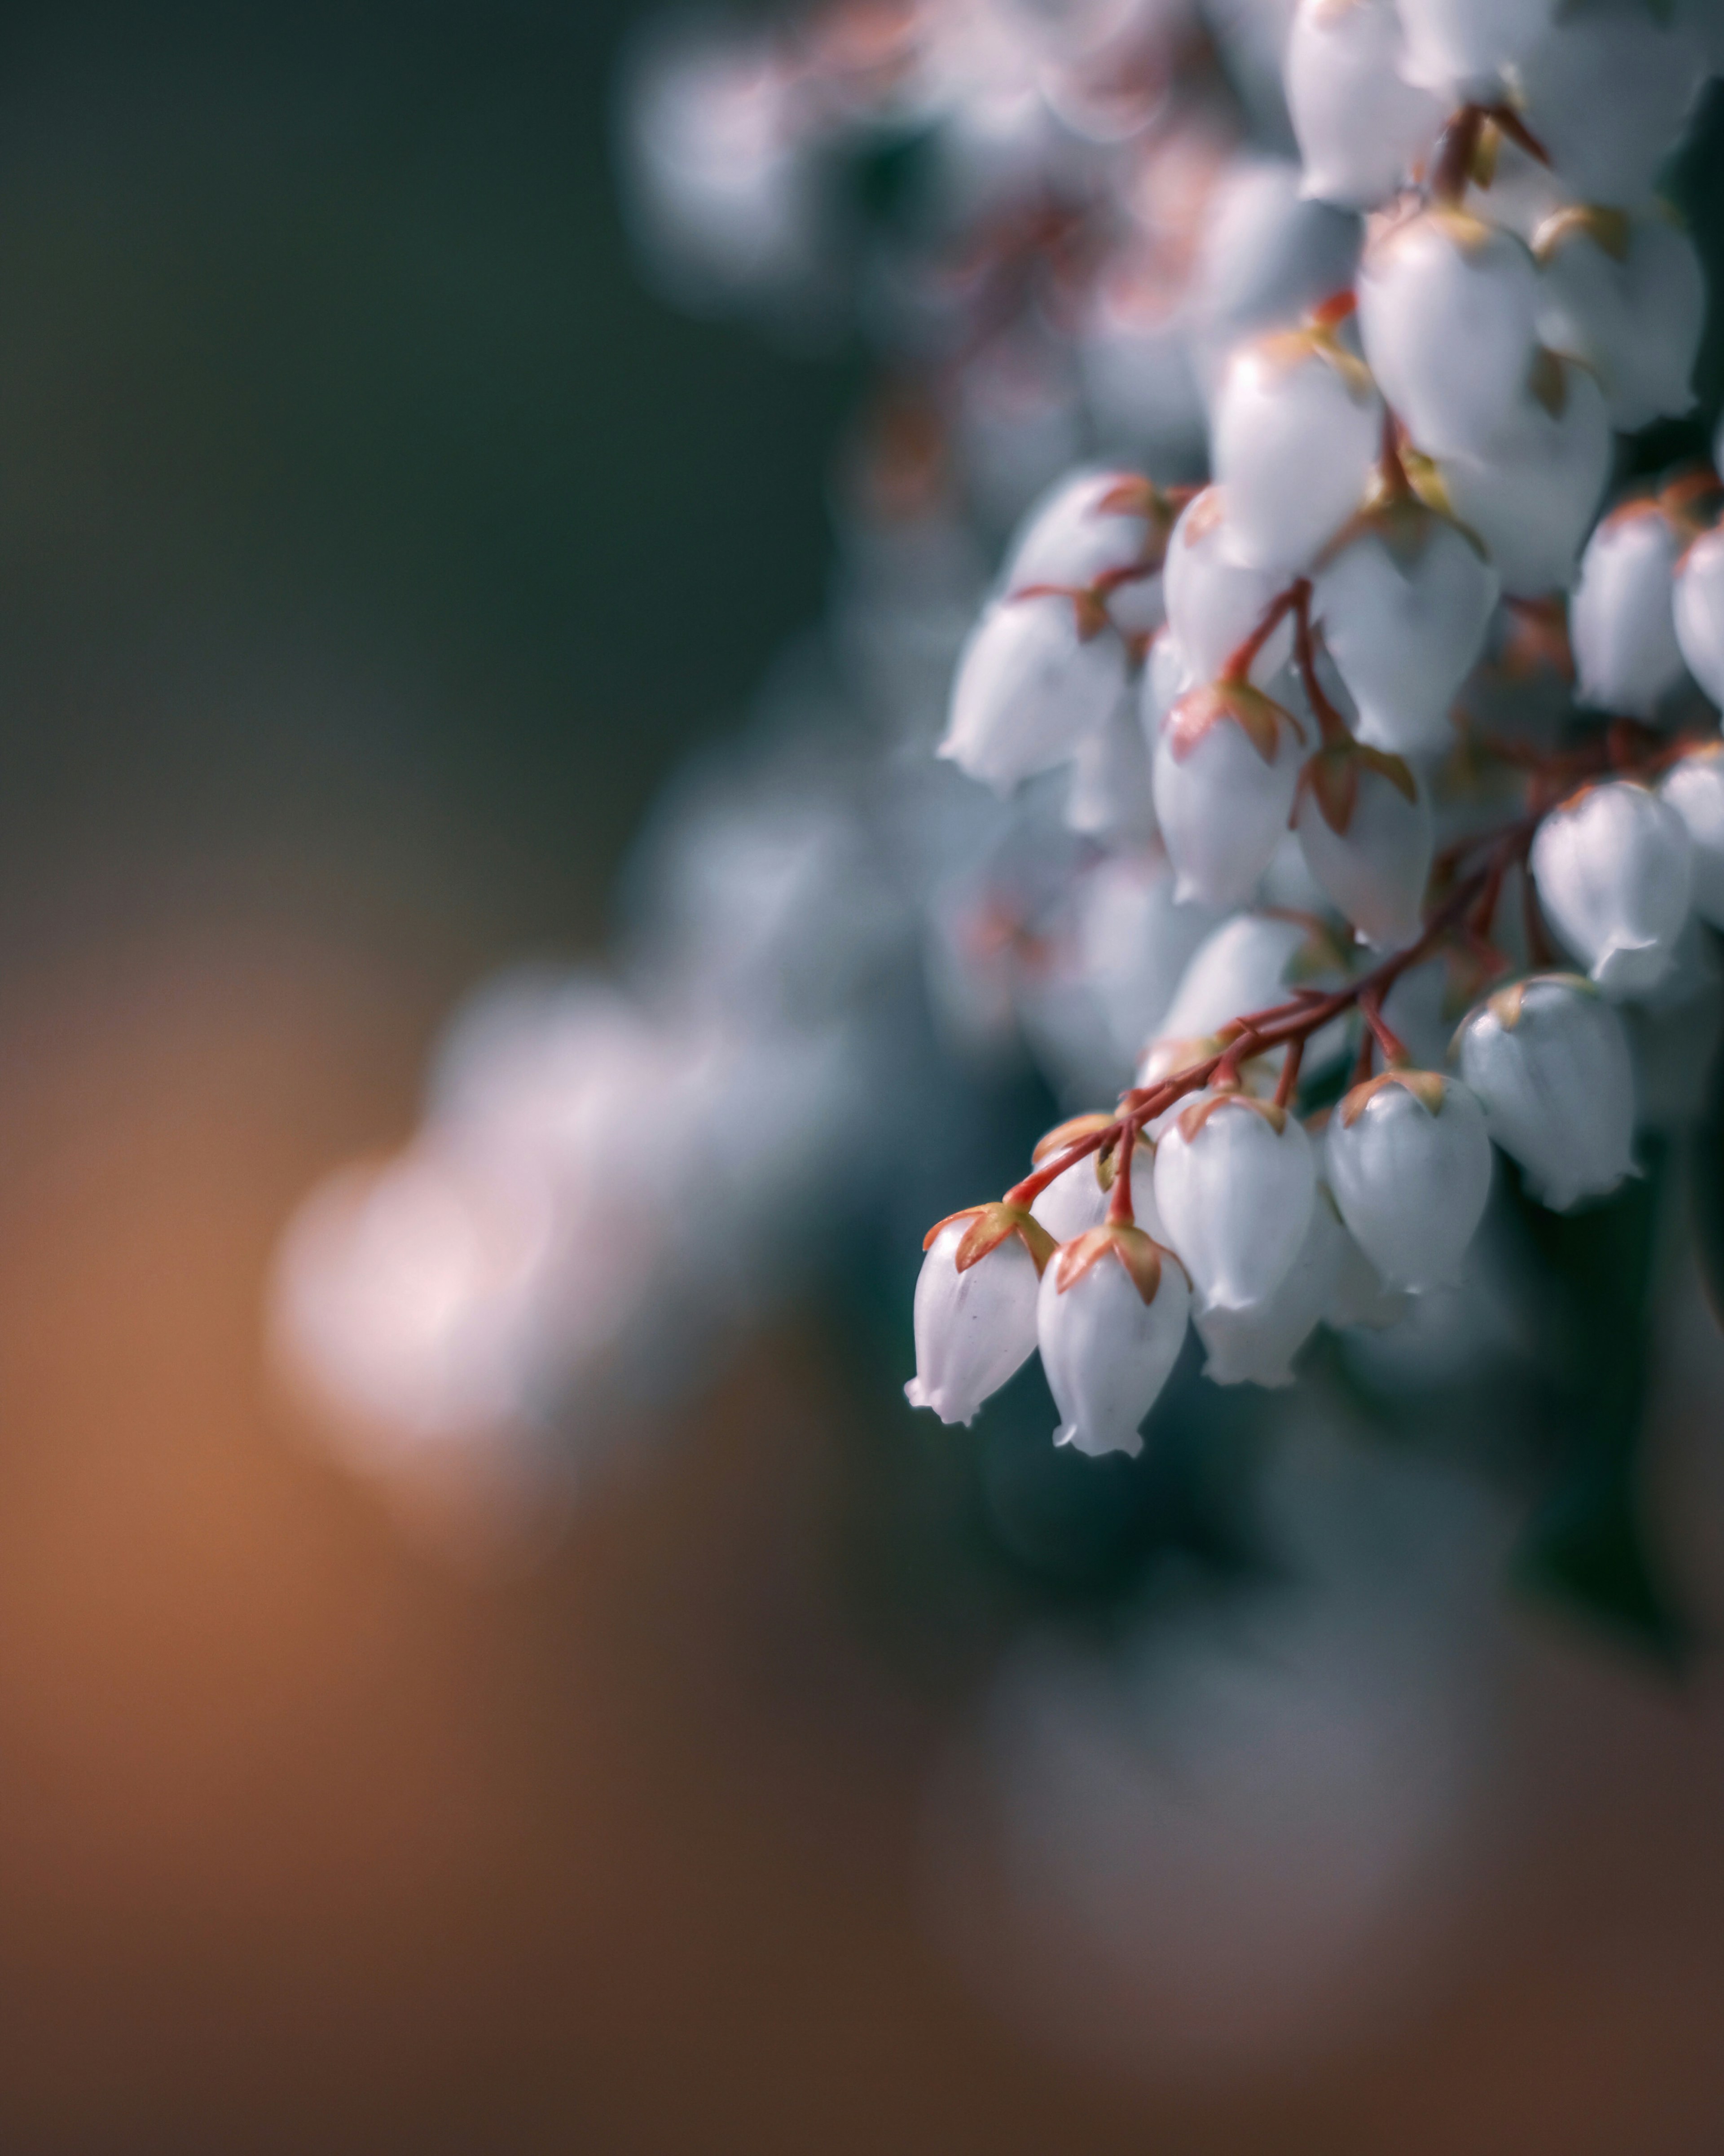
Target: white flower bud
[
  {"x": 1297, "y": 434},
  {"x": 1614, "y": 872},
  {"x": 1135, "y": 942},
  {"x": 1077, "y": 1202},
  {"x": 1695, "y": 789},
  {"x": 1462, "y": 45},
  {"x": 1225, "y": 771},
  {"x": 1090, "y": 525},
  {"x": 1409, "y": 1161},
  {"x": 1234, "y": 1184},
  {"x": 1361, "y": 127},
  {"x": 1606, "y": 91},
  {"x": 1364, "y": 822},
  {"x": 1625, "y": 296},
  {"x": 1448, "y": 311},
  {"x": 1622, "y": 618},
  {"x": 1549, "y": 1063},
  {"x": 974, "y": 1329},
  {"x": 1532, "y": 495},
  {"x": 1030, "y": 685},
  {"x": 1699, "y": 611},
  {"x": 1405, "y": 605},
  {"x": 1251, "y": 963},
  {"x": 1109, "y": 797},
  {"x": 1111, "y": 1322},
  {"x": 1214, "y": 600},
  {"x": 1256, "y": 1345}
]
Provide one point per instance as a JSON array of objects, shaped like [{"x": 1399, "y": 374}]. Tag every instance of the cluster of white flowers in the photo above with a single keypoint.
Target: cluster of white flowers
[{"x": 1406, "y": 471}]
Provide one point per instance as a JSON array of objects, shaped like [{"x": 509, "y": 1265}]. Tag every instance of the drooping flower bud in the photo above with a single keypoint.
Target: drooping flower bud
[
  {"x": 1134, "y": 942},
  {"x": 1531, "y": 493},
  {"x": 1448, "y": 311},
  {"x": 975, "y": 1308},
  {"x": 1409, "y": 1162},
  {"x": 1405, "y": 603},
  {"x": 1606, "y": 89},
  {"x": 1364, "y": 822},
  {"x": 1626, "y": 297},
  {"x": 1074, "y": 1202},
  {"x": 1361, "y": 127},
  {"x": 1215, "y": 600},
  {"x": 1297, "y": 429},
  {"x": 1109, "y": 797},
  {"x": 1695, "y": 789},
  {"x": 1224, "y": 772},
  {"x": 1615, "y": 875},
  {"x": 1549, "y": 1062},
  {"x": 1092, "y": 525},
  {"x": 1256, "y": 1345},
  {"x": 1037, "y": 675},
  {"x": 1699, "y": 611},
  {"x": 1460, "y": 44},
  {"x": 1111, "y": 1320},
  {"x": 1234, "y": 1184},
  {"x": 1622, "y": 620}
]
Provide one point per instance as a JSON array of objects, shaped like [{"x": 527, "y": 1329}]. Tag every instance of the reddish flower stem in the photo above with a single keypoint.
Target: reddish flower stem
[{"x": 1238, "y": 666}]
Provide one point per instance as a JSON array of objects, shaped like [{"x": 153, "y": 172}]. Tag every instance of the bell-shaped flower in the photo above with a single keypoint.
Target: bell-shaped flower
[
  {"x": 1077, "y": 1201},
  {"x": 1134, "y": 942},
  {"x": 1531, "y": 494},
  {"x": 1109, "y": 797},
  {"x": 1234, "y": 1185},
  {"x": 1549, "y": 1062},
  {"x": 1695, "y": 789},
  {"x": 1699, "y": 611},
  {"x": 1448, "y": 312},
  {"x": 1365, "y": 824},
  {"x": 1225, "y": 768},
  {"x": 1256, "y": 1345},
  {"x": 1615, "y": 875},
  {"x": 1037, "y": 676},
  {"x": 1454, "y": 45},
  {"x": 1092, "y": 525},
  {"x": 1214, "y": 600},
  {"x": 975, "y": 1308},
  {"x": 1606, "y": 91},
  {"x": 1361, "y": 127},
  {"x": 1405, "y": 602},
  {"x": 1111, "y": 1321},
  {"x": 1622, "y": 618},
  {"x": 1297, "y": 432},
  {"x": 1409, "y": 1162},
  {"x": 1626, "y": 297}
]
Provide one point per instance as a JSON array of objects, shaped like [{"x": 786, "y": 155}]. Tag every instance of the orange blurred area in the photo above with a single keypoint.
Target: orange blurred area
[{"x": 314, "y": 1839}]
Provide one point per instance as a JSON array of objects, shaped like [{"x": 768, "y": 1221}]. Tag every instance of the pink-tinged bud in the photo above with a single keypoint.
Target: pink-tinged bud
[
  {"x": 1409, "y": 1162},
  {"x": 1225, "y": 768},
  {"x": 1448, "y": 311},
  {"x": 1091, "y": 524},
  {"x": 1549, "y": 1063},
  {"x": 1453, "y": 45},
  {"x": 1214, "y": 600},
  {"x": 1622, "y": 620},
  {"x": 1405, "y": 603},
  {"x": 975, "y": 1327},
  {"x": 1234, "y": 1185},
  {"x": 1297, "y": 434},
  {"x": 1695, "y": 789},
  {"x": 1036, "y": 676},
  {"x": 1532, "y": 494},
  {"x": 1606, "y": 91},
  {"x": 1615, "y": 876},
  {"x": 1626, "y": 297},
  {"x": 1699, "y": 611},
  {"x": 1364, "y": 822},
  {"x": 1361, "y": 127},
  {"x": 1256, "y": 1345},
  {"x": 1111, "y": 1321}
]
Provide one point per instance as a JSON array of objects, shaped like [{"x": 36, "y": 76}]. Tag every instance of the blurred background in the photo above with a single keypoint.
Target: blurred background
[{"x": 372, "y": 546}]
